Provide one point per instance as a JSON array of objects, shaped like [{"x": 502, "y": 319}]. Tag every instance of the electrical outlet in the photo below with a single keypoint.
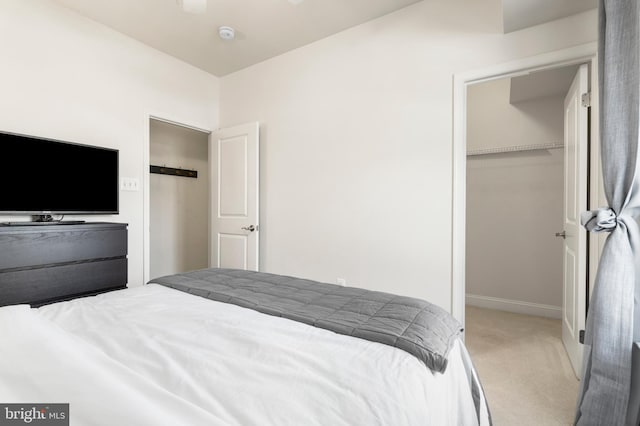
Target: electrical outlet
[
  {"x": 129, "y": 184},
  {"x": 341, "y": 281}
]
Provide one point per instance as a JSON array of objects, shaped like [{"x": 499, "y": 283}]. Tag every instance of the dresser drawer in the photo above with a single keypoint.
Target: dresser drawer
[
  {"x": 25, "y": 248},
  {"x": 40, "y": 285}
]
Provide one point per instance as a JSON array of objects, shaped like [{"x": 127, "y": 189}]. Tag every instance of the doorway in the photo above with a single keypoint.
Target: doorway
[
  {"x": 179, "y": 187},
  {"x": 527, "y": 145},
  {"x": 583, "y": 54},
  {"x": 515, "y": 192},
  {"x": 575, "y": 55},
  {"x": 521, "y": 155}
]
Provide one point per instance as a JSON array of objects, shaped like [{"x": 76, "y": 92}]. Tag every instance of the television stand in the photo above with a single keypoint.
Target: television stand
[{"x": 51, "y": 222}]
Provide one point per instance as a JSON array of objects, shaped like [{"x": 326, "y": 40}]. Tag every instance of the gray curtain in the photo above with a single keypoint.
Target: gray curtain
[{"x": 606, "y": 385}]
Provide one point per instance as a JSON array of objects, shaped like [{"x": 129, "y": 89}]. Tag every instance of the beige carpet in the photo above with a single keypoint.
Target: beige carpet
[{"x": 523, "y": 367}]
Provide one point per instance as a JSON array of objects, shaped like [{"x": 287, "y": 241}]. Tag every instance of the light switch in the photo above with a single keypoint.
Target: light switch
[{"x": 129, "y": 184}]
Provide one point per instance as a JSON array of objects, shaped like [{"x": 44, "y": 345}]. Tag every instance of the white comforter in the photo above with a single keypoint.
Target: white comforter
[{"x": 152, "y": 355}]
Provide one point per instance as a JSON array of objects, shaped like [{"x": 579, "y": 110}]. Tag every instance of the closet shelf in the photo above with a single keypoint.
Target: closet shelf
[
  {"x": 162, "y": 170},
  {"x": 519, "y": 148}
]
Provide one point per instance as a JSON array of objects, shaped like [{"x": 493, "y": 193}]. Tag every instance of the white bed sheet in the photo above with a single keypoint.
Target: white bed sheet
[
  {"x": 42, "y": 364},
  {"x": 241, "y": 367}
]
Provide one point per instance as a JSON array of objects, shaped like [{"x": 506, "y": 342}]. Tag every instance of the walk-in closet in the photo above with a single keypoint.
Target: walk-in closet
[{"x": 515, "y": 192}]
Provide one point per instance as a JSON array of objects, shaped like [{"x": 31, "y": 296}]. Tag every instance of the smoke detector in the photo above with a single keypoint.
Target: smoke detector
[{"x": 226, "y": 33}]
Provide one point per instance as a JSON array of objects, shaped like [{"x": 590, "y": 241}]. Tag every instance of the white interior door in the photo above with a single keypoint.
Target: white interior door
[
  {"x": 575, "y": 202},
  {"x": 235, "y": 197}
]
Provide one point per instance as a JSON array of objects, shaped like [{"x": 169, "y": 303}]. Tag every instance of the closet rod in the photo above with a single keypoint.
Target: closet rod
[
  {"x": 162, "y": 170},
  {"x": 486, "y": 151}
]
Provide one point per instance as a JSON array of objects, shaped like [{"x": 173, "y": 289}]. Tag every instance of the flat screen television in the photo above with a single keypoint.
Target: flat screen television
[{"x": 43, "y": 177}]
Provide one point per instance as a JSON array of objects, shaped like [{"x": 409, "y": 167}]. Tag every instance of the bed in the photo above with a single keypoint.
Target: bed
[{"x": 232, "y": 347}]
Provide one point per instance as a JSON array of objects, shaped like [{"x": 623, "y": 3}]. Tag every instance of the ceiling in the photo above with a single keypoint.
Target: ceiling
[
  {"x": 264, "y": 28},
  {"x": 520, "y": 14},
  {"x": 267, "y": 28},
  {"x": 542, "y": 84}
]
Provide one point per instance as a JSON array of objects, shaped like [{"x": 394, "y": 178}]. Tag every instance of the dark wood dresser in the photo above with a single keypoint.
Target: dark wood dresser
[{"x": 51, "y": 263}]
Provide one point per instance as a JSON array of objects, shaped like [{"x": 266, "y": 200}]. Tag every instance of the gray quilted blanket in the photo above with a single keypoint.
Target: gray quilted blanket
[{"x": 413, "y": 325}]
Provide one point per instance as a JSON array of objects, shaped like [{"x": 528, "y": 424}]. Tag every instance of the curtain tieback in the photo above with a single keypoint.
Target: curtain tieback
[{"x": 601, "y": 220}]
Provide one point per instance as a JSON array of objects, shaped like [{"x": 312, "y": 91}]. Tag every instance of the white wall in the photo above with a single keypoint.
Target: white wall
[
  {"x": 514, "y": 208},
  {"x": 356, "y": 141},
  {"x": 66, "y": 77},
  {"x": 179, "y": 206},
  {"x": 536, "y": 121}
]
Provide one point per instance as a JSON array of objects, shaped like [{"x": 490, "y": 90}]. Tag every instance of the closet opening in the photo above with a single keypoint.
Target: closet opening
[
  {"x": 525, "y": 251},
  {"x": 179, "y": 188},
  {"x": 515, "y": 192}
]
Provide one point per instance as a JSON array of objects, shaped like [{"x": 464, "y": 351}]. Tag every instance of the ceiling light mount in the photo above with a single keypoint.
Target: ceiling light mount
[
  {"x": 226, "y": 33},
  {"x": 193, "y": 6}
]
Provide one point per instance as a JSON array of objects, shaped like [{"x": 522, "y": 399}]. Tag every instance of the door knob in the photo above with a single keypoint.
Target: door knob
[
  {"x": 250, "y": 228},
  {"x": 562, "y": 234}
]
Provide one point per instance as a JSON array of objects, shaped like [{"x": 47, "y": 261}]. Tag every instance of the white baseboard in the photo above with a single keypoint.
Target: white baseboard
[{"x": 515, "y": 306}]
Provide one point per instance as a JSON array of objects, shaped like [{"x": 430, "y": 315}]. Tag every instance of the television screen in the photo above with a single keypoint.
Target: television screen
[{"x": 44, "y": 176}]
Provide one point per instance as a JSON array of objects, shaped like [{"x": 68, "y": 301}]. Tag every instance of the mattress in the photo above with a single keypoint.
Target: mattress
[
  {"x": 154, "y": 355},
  {"x": 415, "y": 325}
]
